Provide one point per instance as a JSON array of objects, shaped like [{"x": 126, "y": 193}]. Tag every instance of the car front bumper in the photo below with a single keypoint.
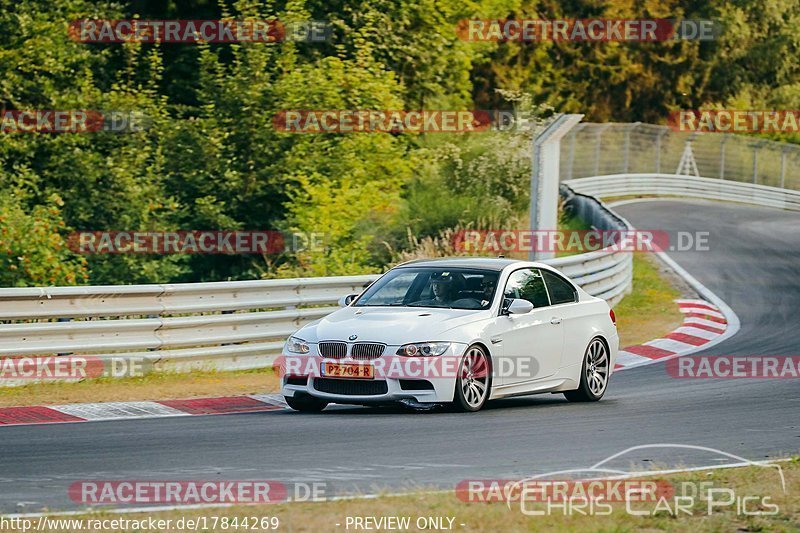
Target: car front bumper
[
  {"x": 441, "y": 391},
  {"x": 422, "y": 379}
]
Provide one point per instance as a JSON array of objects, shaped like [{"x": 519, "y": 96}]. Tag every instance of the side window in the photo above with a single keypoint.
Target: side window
[
  {"x": 527, "y": 284},
  {"x": 561, "y": 291}
]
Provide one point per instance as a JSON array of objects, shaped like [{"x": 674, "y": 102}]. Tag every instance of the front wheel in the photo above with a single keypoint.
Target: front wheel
[
  {"x": 594, "y": 374},
  {"x": 305, "y": 404},
  {"x": 474, "y": 380}
]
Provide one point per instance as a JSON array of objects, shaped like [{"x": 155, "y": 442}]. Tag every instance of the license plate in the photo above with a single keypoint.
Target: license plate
[{"x": 339, "y": 370}]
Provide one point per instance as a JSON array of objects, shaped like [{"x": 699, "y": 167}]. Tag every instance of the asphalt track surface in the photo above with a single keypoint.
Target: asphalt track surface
[{"x": 753, "y": 264}]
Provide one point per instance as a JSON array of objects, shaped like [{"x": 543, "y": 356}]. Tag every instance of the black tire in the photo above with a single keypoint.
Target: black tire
[
  {"x": 594, "y": 373},
  {"x": 474, "y": 381},
  {"x": 305, "y": 403}
]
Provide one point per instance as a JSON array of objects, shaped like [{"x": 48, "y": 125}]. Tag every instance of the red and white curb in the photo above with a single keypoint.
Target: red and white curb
[
  {"x": 703, "y": 324},
  {"x": 85, "y": 412}
]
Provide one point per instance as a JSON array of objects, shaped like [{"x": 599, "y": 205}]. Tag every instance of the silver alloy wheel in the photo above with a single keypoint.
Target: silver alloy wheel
[
  {"x": 475, "y": 377},
  {"x": 597, "y": 367}
]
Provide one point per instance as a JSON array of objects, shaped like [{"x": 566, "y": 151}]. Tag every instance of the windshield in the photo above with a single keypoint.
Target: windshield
[{"x": 451, "y": 288}]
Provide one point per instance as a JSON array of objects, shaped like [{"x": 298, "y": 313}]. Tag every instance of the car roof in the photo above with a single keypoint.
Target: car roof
[{"x": 486, "y": 263}]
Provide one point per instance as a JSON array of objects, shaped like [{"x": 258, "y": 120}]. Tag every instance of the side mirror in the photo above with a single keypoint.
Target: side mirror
[
  {"x": 519, "y": 306},
  {"x": 344, "y": 301}
]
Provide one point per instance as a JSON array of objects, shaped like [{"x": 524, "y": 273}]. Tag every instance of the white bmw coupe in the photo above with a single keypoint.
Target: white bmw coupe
[{"x": 460, "y": 331}]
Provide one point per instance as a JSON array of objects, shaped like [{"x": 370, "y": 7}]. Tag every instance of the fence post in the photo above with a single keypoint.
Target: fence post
[
  {"x": 658, "y": 149},
  {"x": 626, "y": 160},
  {"x": 571, "y": 163},
  {"x": 544, "y": 176},
  {"x": 783, "y": 168},
  {"x": 598, "y": 134},
  {"x": 756, "y": 147},
  {"x": 722, "y": 156},
  {"x": 627, "y": 150}
]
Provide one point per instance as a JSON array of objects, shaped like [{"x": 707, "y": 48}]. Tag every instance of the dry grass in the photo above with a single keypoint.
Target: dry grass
[
  {"x": 332, "y": 516},
  {"x": 150, "y": 387}
]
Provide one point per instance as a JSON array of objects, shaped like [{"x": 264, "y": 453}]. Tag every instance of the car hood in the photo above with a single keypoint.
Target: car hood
[{"x": 390, "y": 325}]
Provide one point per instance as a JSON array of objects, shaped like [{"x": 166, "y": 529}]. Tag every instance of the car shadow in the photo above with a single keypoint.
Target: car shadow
[{"x": 505, "y": 404}]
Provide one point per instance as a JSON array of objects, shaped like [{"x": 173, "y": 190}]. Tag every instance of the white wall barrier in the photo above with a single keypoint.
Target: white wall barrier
[{"x": 686, "y": 187}]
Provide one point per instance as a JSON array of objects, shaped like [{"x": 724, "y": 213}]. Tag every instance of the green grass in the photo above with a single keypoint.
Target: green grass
[
  {"x": 755, "y": 482},
  {"x": 573, "y": 223},
  {"x": 649, "y": 311}
]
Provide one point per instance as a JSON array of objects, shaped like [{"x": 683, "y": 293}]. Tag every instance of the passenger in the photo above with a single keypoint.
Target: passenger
[{"x": 488, "y": 284}]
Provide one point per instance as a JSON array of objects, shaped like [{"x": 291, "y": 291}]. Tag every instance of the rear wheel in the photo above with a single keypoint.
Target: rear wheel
[
  {"x": 474, "y": 380},
  {"x": 305, "y": 403},
  {"x": 594, "y": 374}
]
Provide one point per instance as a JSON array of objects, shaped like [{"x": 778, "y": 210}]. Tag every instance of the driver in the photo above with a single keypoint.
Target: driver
[{"x": 442, "y": 287}]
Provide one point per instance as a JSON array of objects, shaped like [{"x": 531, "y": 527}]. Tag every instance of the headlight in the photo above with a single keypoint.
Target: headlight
[
  {"x": 295, "y": 345},
  {"x": 423, "y": 349}
]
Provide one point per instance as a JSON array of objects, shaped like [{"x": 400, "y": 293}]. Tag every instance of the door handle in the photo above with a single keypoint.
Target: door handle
[{"x": 555, "y": 320}]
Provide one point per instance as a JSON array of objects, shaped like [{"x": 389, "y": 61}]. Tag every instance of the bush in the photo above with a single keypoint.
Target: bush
[{"x": 33, "y": 247}]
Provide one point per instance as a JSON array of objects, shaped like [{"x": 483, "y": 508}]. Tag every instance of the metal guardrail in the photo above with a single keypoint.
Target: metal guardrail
[
  {"x": 686, "y": 186},
  {"x": 225, "y": 325}
]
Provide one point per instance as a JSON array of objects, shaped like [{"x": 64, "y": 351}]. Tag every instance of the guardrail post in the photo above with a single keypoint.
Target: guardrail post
[
  {"x": 64, "y": 320},
  {"x": 598, "y": 134},
  {"x": 227, "y": 313},
  {"x": 544, "y": 176}
]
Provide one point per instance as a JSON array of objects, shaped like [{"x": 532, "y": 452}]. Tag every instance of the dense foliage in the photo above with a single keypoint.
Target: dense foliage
[{"x": 210, "y": 157}]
